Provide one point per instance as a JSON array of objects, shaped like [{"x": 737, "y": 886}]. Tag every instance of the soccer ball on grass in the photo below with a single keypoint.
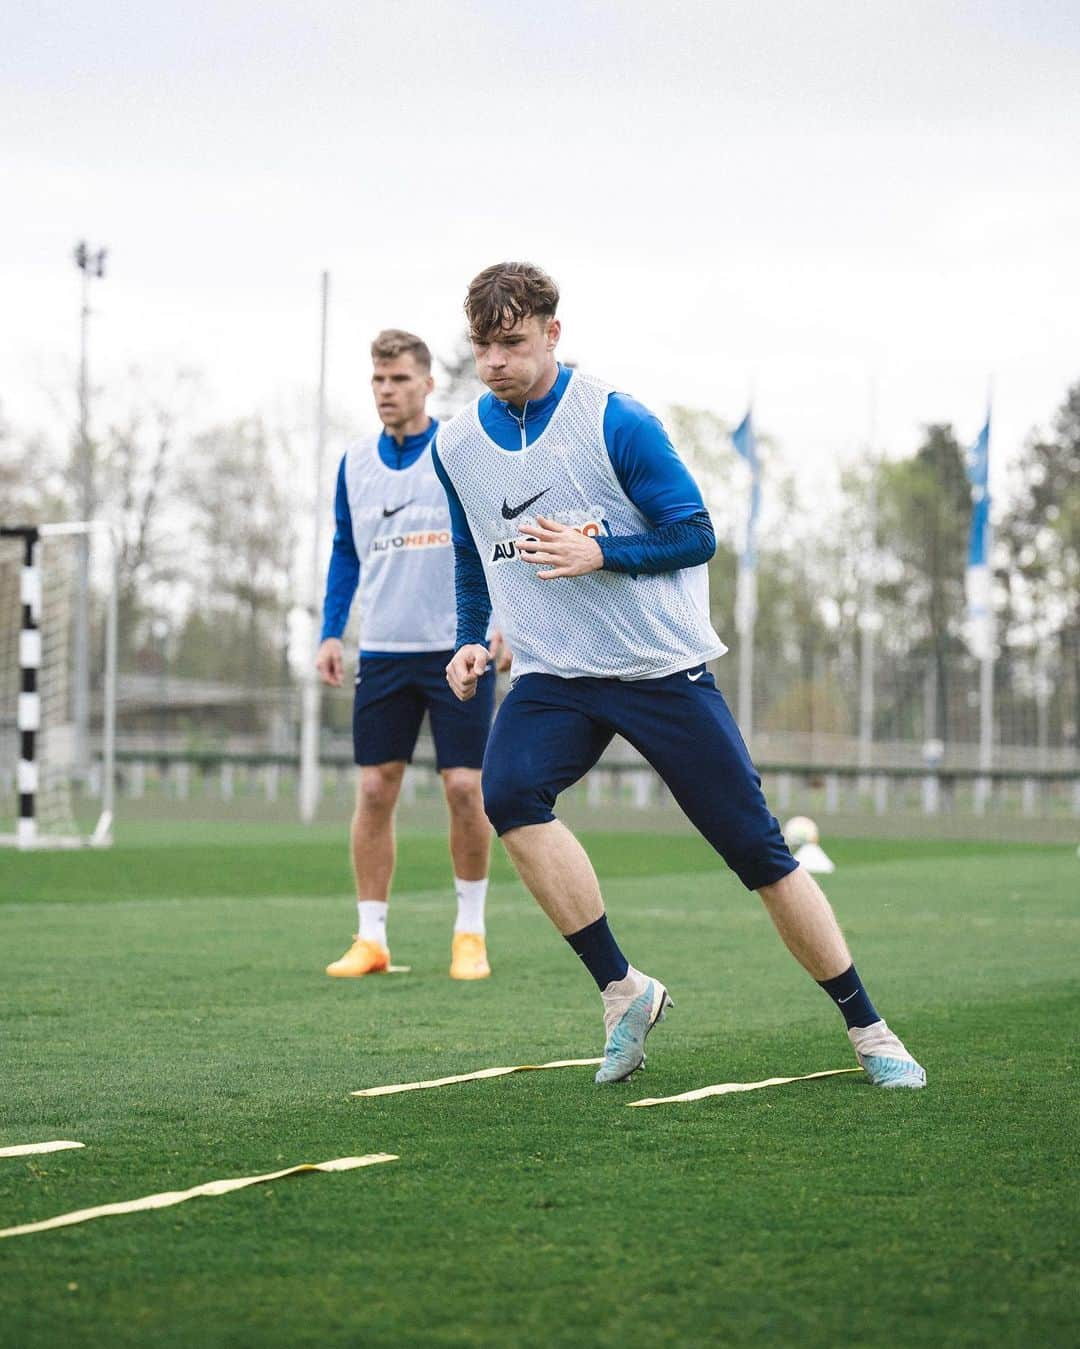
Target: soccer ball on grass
[{"x": 800, "y": 830}]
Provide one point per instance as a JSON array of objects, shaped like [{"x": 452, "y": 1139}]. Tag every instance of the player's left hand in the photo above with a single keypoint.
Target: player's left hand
[{"x": 560, "y": 549}]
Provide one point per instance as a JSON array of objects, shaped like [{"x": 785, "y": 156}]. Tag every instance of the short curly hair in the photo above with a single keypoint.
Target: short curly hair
[
  {"x": 505, "y": 294},
  {"x": 393, "y": 342}
]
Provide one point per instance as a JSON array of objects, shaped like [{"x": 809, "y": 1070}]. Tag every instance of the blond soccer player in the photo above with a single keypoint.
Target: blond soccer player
[{"x": 392, "y": 544}]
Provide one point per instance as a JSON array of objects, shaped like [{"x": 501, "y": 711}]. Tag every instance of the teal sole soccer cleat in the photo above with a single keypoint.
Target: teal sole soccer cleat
[
  {"x": 884, "y": 1059},
  {"x": 884, "y": 1072},
  {"x": 628, "y": 1019}
]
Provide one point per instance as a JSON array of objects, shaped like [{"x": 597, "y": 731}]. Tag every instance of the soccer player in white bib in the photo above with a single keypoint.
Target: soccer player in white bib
[
  {"x": 574, "y": 514},
  {"x": 393, "y": 542}
]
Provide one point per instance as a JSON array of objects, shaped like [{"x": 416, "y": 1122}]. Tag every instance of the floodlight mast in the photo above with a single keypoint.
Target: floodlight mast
[{"x": 91, "y": 265}]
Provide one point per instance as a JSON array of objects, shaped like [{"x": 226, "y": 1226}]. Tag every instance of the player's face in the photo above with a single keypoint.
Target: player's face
[
  {"x": 401, "y": 388},
  {"x": 518, "y": 363}
]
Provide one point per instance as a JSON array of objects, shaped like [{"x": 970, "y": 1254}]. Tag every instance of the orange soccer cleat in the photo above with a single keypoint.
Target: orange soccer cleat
[
  {"x": 468, "y": 956},
  {"x": 362, "y": 957}
]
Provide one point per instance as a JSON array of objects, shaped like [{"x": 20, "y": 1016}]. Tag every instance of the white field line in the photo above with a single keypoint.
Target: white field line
[
  {"x": 725, "y": 1088},
  {"x": 475, "y": 1077},
  {"x": 211, "y": 1188},
  {"x": 28, "y": 1149}
]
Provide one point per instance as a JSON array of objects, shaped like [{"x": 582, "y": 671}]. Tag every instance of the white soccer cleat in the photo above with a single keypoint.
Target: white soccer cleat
[
  {"x": 884, "y": 1059},
  {"x": 631, "y": 1009}
]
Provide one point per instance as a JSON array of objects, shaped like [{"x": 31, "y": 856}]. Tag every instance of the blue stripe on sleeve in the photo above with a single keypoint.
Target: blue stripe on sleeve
[
  {"x": 343, "y": 575},
  {"x": 679, "y": 543},
  {"x": 471, "y": 593}
]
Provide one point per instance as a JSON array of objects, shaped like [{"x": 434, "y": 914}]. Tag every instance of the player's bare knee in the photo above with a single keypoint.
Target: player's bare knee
[
  {"x": 462, "y": 789},
  {"x": 377, "y": 788}
]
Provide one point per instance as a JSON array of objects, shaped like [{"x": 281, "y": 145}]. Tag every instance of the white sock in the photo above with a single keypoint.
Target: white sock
[
  {"x": 372, "y": 920},
  {"x": 471, "y": 897}
]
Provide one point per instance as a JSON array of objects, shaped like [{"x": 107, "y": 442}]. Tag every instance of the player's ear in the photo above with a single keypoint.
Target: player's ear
[
  {"x": 553, "y": 333},
  {"x": 429, "y": 383}
]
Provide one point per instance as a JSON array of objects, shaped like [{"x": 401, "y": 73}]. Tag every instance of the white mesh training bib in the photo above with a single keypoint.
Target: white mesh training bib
[
  {"x": 401, "y": 528},
  {"x": 605, "y": 623}
]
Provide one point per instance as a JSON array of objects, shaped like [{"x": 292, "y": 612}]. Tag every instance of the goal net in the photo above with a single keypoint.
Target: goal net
[{"x": 57, "y": 685}]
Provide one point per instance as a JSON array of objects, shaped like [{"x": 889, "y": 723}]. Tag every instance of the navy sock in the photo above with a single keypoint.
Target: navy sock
[
  {"x": 847, "y": 992},
  {"x": 600, "y": 952}
]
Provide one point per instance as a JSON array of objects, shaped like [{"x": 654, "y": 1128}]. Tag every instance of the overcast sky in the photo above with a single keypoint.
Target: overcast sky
[{"x": 798, "y": 198}]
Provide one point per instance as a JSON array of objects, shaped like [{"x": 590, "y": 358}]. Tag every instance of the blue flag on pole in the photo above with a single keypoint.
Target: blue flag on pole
[
  {"x": 978, "y": 472},
  {"x": 745, "y": 443},
  {"x": 979, "y": 598}
]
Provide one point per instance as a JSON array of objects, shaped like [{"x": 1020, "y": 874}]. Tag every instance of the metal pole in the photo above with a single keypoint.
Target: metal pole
[
  {"x": 930, "y": 700},
  {"x": 1042, "y": 700},
  {"x": 84, "y": 477},
  {"x": 986, "y": 678},
  {"x": 746, "y": 577},
  {"x": 986, "y": 714},
  {"x": 310, "y": 692},
  {"x": 108, "y": 730},
  {"x": 986, "y": 667},
  {"x": 867, "y": 636},
  {"x": 92, "y": 266},
  {"x": 868, "y": 617},
  {"x": 746, "y": 613}
]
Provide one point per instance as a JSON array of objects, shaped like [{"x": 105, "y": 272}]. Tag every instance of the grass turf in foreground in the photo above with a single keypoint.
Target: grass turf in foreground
[{"x": 188, "y": 1040}]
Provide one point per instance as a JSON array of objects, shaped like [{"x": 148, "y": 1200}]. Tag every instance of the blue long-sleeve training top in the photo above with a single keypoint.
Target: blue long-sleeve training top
[
  {"x": 649, "y": 471},
  {"x": 343, "y": 574}
]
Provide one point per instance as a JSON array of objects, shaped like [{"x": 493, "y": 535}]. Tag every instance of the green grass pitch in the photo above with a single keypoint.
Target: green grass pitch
[{"x": 164, "y": 1003}]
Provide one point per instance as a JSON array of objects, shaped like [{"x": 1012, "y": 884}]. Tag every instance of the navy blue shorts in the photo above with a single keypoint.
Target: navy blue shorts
[
  {"x": 392, "y": 695},
  {"x": 550, "y": 731}
]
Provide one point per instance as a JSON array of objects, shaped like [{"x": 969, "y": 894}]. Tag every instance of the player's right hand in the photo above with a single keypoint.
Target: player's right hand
[
  {"x": 330, "y": 662},
  {"x": 466, "y": 667}
]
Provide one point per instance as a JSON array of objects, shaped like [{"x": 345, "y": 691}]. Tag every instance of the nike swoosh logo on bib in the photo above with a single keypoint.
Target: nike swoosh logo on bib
[
  {"x": 387, "y": 514},
  {"x": 512, "y": 512}
]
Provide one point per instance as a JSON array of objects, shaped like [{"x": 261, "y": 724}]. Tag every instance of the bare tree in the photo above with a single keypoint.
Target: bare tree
[
  {"x": 243, "y": 519},
  {"x": 458, "y": 383},
  {"x": 31, "y": 478},
  {"x": 136, "y": 464}
]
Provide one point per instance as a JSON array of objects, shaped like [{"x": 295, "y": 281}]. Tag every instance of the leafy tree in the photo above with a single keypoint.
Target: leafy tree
[
  {"x": 1041, "y": 539},
  {"x": 701, "y": 438},
  {"x": 797, "y": 647},
  {"x": 704, "y": 441},
  {"x": 925, "y": 507}
]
